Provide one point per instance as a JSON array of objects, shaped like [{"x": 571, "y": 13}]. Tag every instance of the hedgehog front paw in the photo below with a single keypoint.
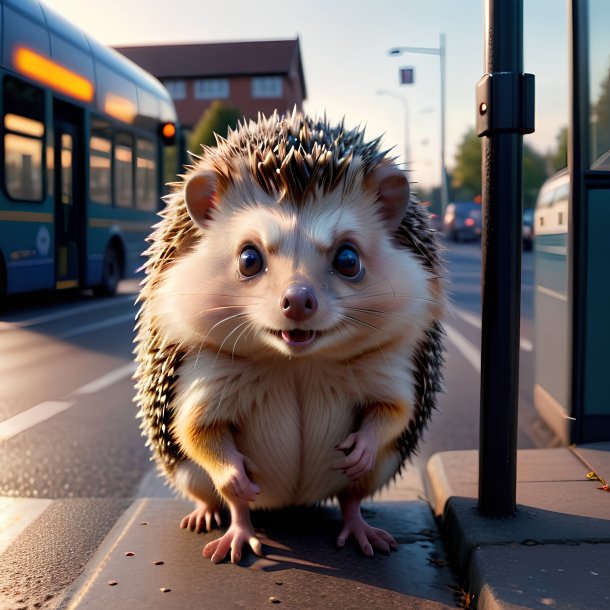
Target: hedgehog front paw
[
  {"x": 204, "y": 515},
  {"x": 235, "y": 482},
  {"x": 360, "y": 450}
]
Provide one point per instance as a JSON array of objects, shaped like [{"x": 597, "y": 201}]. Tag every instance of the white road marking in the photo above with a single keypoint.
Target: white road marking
[
  {"x": 526, "y": 345},
  {"x": 88, "y": 328},
  {"x": 101, "y": 383},
  {"x": 16, "y": 514},
  {"x": 552, "y": 293},
  {"x": 31, "y": 417},
  {"x": 46, "y": 410},
  {"x": 471, "y": 318},
  {"x": 559, "y": 250},
  {"x": 468, "y": 350},
  {"x": 66, "y": 313},
  {"x": 475, "y": 320}
]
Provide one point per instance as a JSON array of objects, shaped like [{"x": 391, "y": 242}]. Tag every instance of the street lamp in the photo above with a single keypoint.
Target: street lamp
[
  {"x": 403, "y": 101},
  {"x": 440, "y": 51}
]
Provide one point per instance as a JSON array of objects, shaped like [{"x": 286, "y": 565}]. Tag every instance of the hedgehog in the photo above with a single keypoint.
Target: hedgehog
[{"x": 289, "y": 338}]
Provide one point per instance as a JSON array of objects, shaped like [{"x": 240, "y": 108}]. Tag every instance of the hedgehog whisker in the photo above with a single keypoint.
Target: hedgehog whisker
[
  {"x": 363, "y": 323},
  {"x": 227, "y": 337},
  {"x": 353, "y": 319},
  {"x": 203, "y": 341},
  {"x": 236, "y": 295},
  {"x": 384, "y": 294},
  {"x": 384, "y": 314},
  {"x": 227, "y": 319},
  {"x": 246, "y": 330}
]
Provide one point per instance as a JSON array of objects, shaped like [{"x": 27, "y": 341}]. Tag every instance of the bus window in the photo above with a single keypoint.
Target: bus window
[
  {"x": 146, "y": 176},
  {"x": 123, "y": 170},
  {"x": 562, "y": 193},
  {"x": 23, "y": 140},
  {"x": 67, "y": 163},
  {"x": 100, "y": 162}
]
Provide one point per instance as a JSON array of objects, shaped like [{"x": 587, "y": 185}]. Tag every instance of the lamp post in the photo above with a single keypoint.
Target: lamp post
[
  {"x": 403, "y": 101},
  {"x": 440, "y": 51}
]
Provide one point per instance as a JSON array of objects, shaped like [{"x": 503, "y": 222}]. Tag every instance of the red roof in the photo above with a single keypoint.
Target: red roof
[{"x": 219, "y": 59}]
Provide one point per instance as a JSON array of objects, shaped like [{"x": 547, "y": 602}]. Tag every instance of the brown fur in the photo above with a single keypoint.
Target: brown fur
[{"x": 213, "y": 379}]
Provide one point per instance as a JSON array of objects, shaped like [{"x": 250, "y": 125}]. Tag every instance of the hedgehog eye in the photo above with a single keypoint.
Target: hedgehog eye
[
  {"x": 250, "y": 261},
  {"x": 347, "y": 263}
]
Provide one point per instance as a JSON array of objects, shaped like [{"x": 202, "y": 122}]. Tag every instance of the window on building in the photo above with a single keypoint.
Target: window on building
[
  {"x": 212, "y": 89},
  {"x": 146, "y": 176},
  {"x": 267, "y": 87},
  {"x": 123, "y": 170},
  {"x": 100, "y": 162},
  {"x": 23, "y": 140},
  {"x": 176, "y": 88}
]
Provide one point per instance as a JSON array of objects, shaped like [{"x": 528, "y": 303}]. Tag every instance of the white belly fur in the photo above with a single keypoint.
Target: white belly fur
[{"x": 288, "y": 415}]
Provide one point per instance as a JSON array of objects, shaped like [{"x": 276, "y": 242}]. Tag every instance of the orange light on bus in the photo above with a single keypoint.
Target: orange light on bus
[
  {"x": 120, "y": 107},
  {"x": 54, "y": 75},
  {"x": 168, "y": 132}
]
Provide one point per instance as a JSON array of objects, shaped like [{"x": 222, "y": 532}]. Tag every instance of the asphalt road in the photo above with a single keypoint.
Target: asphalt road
[
  {"x": 456, "y": 425},
  {"x": 71, "y": 455}
]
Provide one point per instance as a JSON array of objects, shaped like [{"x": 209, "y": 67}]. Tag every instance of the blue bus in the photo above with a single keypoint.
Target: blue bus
[
  {"x": 551, "y": 226},
  {"x": 85, "y": 138}
]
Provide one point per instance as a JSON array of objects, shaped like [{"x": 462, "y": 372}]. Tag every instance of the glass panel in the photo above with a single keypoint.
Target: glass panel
[
  {"x": 267, "y": 87},
  {"x": 211, "y": 89},
  {"x": 599, "y": 70},
  {"x": 66, "y": 169},
  {"x": 30, "y": 127},
  {"x": 100, "y": 161},
  {"x": 24, "y": 114},
  {"x": 23, "y": 99},
  {"x": 123, "y": 171},
  {"x": 176, "y": 88},
  {"x": 23, "y": 167},
  {"x": 146, "y": 176}
]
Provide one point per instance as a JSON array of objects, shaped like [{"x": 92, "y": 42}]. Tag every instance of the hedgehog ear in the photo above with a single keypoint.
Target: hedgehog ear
[
  {"x": 391, "y": 186},
  {"x": 200, "y": 197}
]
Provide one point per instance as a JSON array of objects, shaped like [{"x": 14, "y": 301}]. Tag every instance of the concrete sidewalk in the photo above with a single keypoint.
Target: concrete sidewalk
[
  {"x": 147, "y": 561},
  {"x": 555, "y": 553}
]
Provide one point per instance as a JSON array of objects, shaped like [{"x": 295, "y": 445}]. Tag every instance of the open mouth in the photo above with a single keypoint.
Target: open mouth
[{"x": 298, "y": 337}]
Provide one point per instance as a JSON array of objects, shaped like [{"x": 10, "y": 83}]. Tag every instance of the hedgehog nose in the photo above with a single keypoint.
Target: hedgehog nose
[{"x": 299, "y": 302}]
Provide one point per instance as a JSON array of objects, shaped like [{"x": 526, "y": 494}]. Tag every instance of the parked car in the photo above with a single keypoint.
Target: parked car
[
  {"x": 528, "y": 229},
  {"x": 463, "y": 221}
]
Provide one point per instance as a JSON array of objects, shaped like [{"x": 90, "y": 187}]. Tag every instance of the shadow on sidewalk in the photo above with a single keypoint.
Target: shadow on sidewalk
[{"x": 150, "y": 562}]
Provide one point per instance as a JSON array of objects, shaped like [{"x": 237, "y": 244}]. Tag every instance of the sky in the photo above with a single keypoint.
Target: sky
[{"x": 348, "y": 71}]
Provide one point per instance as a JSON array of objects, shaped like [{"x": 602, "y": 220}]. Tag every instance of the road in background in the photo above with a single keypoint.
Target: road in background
[{"x": 456, "y": 426}]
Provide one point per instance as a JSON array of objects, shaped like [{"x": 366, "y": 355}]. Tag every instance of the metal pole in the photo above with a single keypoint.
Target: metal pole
[
  {"x": 578, "y": 161},
  {"x": 441, "y": 52},
  {"x": 444, "y": 187},
  {"x": 505, "y": 108}
]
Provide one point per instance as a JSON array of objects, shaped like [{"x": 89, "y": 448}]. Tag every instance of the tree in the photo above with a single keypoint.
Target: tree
[
  {"x": 467, "y": 170},
  {"x": 534, "y": 174},
  {"x": 559, "y": 159},
  {"x": 600, "y": 119},
  {"x": 216, "y": 119}
]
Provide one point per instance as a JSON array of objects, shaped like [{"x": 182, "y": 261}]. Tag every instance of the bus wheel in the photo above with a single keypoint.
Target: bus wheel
[{"x": 111, "y": 273}]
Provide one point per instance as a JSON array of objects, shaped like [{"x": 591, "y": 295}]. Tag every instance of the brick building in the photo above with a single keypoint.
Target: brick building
[{"x": 253, "y": 76}]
